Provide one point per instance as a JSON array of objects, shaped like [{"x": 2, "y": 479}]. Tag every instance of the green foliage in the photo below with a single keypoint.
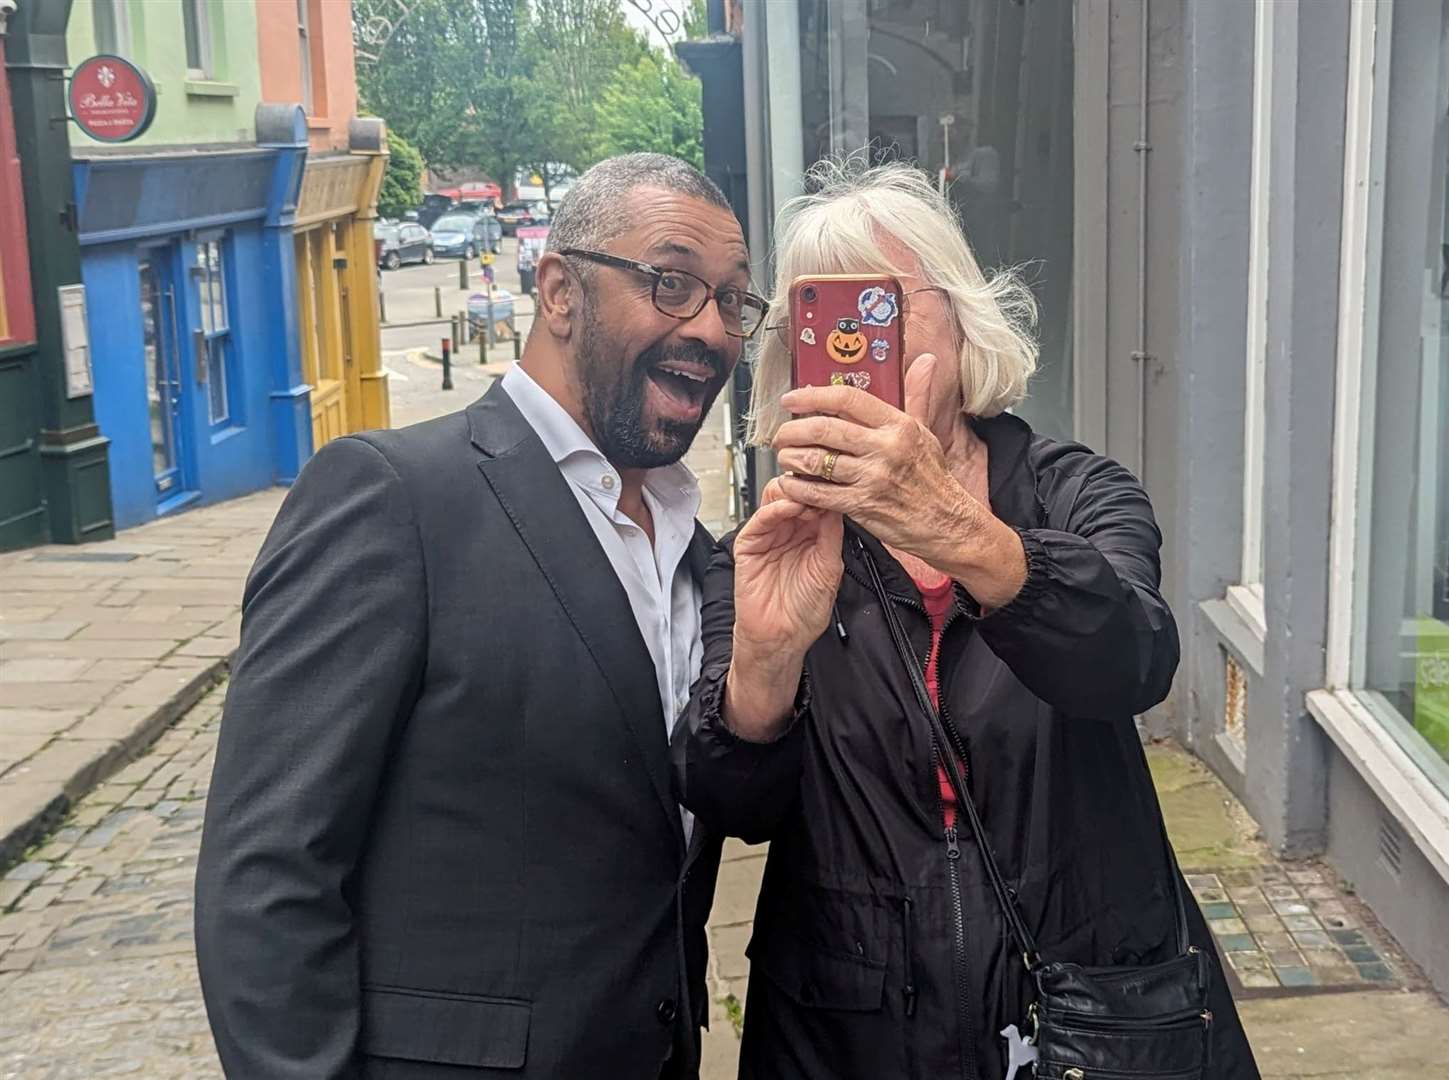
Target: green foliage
[
  {"x": 696, "y": 21},
  {"x": 651, "y": 105},
  {"x": 504, "y": 84},
  {"x": 402, "y": 183}
]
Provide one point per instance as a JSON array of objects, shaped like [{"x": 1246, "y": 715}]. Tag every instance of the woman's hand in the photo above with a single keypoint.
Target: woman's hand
[
  {"x": 787, "y": 571},
  {"x": 890, "y": 474}
]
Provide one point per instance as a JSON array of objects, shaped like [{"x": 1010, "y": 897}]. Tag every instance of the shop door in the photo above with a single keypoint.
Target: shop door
[
  {"x": 159, "y": 323},
  {"x": 321, "y": 337}
]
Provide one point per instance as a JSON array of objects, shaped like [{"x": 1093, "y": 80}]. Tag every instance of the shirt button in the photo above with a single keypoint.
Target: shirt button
[
  {"x": 666, "y": 1011},
  {"x": 608, "y": 482}
]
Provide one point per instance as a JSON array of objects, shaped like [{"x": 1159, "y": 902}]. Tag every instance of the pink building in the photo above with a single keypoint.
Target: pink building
[{"x": 305, "y": 47}]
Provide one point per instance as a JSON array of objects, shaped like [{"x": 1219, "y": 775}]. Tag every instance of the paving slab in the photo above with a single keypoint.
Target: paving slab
[{"x": 103, "y": 646}]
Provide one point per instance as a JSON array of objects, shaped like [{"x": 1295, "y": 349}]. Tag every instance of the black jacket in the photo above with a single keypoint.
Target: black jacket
[
  {"x": 859, "y": 896},
  {"x": 440, "y": 840}
]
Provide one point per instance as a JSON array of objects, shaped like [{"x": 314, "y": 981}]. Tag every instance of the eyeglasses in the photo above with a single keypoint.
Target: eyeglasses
[
  {"x": 681, "y": 295},
  {"x": 784, "y": 327}
]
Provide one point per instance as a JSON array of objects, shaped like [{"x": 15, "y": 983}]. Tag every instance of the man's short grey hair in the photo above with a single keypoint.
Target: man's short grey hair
[{"x": 596, "y": 209}]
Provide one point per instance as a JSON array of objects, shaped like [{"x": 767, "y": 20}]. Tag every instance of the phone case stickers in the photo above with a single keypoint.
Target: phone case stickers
[
  {"x": 878, "y": 306},
  {"x": 853, "y": 336}
]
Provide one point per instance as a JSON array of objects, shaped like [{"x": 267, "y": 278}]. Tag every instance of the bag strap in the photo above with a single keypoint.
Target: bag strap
[{"x": 1009, "y": 911}]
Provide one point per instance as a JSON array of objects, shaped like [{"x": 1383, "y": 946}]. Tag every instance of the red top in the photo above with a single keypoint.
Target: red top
[{"x": 938, "y": 600}]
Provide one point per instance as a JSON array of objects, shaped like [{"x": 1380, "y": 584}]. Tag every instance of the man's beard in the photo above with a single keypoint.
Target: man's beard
[{"x": 615, "y": 399}]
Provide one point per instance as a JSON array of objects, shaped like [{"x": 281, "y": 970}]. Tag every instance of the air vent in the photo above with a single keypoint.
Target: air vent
[
  {"x": 1235, "y": 700},
  {"x": 1391, "y": 846}
]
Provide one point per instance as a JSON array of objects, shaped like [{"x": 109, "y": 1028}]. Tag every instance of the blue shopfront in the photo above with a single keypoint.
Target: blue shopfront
[{"x": 190, "y": 275}]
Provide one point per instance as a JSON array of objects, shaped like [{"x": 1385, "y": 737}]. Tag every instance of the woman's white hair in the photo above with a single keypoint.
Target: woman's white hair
[{"x": 836, "y": 229}]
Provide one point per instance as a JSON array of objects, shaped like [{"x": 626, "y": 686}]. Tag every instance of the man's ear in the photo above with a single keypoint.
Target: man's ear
[{"x": 558, "y": 295}]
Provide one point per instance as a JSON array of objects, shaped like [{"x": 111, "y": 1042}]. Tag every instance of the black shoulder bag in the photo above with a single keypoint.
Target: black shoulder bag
[{"x": 1107, "y": 1022}]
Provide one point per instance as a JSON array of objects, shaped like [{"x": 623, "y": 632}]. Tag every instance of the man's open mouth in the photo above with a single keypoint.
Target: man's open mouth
[{"x": 684, "y": 382}]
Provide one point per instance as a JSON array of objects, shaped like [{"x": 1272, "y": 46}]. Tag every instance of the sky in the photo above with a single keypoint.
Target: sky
[{"x": 636, "y": 18}]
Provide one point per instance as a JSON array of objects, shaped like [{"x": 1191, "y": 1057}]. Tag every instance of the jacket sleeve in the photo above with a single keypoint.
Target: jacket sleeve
[
  {"x": 1089, "y": 633},
  {"x": 332, "y": 641},
  {"x": 735, "y": 787}
]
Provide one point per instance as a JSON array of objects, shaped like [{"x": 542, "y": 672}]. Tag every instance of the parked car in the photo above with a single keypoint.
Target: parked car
[
  {"x": 433, "y": 207},
  {"x": 490, "y": 216},
  {"x": 397, "y": 243},
  {"x": 463, "y": 235},
  {"x": 522, "y": 213}
]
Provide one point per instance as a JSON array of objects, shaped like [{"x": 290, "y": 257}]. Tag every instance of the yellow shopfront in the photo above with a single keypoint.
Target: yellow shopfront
[{"x": 337, "y": 294}]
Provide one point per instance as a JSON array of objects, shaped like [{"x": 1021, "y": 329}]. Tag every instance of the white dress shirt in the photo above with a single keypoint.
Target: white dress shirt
[{"x": 661, "y": 590}]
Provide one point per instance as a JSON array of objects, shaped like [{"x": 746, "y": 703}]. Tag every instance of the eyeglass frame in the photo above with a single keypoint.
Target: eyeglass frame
[{"x": 657, "y": 271}]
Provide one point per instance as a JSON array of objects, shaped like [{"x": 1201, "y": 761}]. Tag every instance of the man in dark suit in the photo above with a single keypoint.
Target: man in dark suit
[{"x": 441, "y": 840}]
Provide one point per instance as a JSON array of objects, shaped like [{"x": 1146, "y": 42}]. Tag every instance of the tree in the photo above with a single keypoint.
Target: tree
[
  {"x": 450, "y": 78},
  {"x": 573, "y": 50},
  {"x": 402, "y": 183},
  {"x": 651, "y": 105},
  {"x": 696, "y": 21}
]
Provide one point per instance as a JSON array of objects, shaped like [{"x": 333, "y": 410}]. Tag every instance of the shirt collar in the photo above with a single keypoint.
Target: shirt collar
[{"x": 674, "y": 487}]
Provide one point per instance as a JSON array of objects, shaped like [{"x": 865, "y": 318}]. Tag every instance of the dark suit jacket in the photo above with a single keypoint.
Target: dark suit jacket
[{"x": 440, "y": 839}]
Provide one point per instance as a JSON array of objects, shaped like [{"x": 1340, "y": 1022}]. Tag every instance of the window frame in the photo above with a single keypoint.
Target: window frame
[
  {"x": 120, "y": 26},
  {"x": 304, "y": 50},
  {"x": 1246, "y": 597},
  {"x": 212, "y": 293},
  {"x": 200, "y": 18},
  {"x": 1365, "y": 726}
]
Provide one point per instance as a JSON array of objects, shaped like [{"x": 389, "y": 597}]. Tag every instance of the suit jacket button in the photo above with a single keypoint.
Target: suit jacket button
[{"x": 666, "y": 1011}]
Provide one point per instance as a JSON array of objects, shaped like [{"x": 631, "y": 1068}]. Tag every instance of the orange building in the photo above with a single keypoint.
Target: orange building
[{"x": 306, "y": 55}]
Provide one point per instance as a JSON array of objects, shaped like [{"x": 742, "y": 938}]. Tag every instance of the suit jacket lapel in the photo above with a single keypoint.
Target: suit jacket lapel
[{"x": 544, "y": 511}]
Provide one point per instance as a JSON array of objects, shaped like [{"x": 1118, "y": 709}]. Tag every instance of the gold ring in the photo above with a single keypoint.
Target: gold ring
[{"x": 827, "y": 467}]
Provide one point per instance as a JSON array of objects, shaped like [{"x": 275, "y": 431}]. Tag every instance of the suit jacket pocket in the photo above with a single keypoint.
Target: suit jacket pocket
[
  {"x": 445, "y": 1028},
  {"x": 816, "y": 976}
]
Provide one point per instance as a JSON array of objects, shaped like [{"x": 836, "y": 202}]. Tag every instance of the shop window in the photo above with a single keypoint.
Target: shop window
[
  {"x": 211, "y": 275},
  {"x": 195, "y": 20},
  {"x": 112, "y": 26},
  {"x": 1389, "y": 617},
  {"x": 979, "y": 95}
]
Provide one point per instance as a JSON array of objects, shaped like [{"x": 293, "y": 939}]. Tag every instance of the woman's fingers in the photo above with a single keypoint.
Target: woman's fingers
[
  {"x": 826, "y": 431},
  {"x": 842, "y": 401},
  {"x": 920, "y": 377},
  {"x": 815, "y": 461}
]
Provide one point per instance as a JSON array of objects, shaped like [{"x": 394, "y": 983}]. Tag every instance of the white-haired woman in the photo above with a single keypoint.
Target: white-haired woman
[{"x": 1025, "y": 573}]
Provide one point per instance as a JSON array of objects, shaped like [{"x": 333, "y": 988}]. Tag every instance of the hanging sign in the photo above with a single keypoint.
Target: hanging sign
[{"x": 111, "y": 99}]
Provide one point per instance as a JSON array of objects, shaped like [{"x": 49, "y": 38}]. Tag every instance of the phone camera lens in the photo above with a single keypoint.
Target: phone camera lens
[{"x": 808, "y": 294}]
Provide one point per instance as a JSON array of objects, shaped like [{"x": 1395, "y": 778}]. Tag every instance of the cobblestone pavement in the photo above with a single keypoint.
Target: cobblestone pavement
[{"x": 97, "y": 968}]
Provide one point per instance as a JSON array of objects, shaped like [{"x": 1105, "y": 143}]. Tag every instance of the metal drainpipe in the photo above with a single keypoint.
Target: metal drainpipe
[{"x": 1141, "y": 148}]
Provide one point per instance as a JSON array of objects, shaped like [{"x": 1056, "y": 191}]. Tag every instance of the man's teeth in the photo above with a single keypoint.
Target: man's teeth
[{"x": 690, "y": 375}]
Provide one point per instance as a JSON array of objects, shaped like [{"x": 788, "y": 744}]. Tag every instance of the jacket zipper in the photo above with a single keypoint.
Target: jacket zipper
[{"x": 966, "y": 1046}]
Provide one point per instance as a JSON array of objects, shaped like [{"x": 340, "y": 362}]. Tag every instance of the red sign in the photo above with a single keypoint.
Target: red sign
[{"x": 111, "y": 98}]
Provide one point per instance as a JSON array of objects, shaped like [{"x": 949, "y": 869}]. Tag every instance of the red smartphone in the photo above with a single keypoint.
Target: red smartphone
[{"x": 846, "y": 329}]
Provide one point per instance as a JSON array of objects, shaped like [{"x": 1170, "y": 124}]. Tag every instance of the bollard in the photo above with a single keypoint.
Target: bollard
[
  {"x": 456, "y": 333},
  {"x": 438, "y": 301},
  {"x": 447, "y": 365},
  {"x": 514, "y": 329},
  {"x": 462, "y": 273},
  {"x": 483, "y": 344},
  {"x": 381, "y": 306}
]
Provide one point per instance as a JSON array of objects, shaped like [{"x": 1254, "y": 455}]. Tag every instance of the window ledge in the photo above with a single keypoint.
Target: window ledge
[
  {"x": 1420, "y": 808},
  {"x": 1247, "y": 602},
  {"x": 1240, "y": 636},
  {"x": 211, "y": 88}
]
